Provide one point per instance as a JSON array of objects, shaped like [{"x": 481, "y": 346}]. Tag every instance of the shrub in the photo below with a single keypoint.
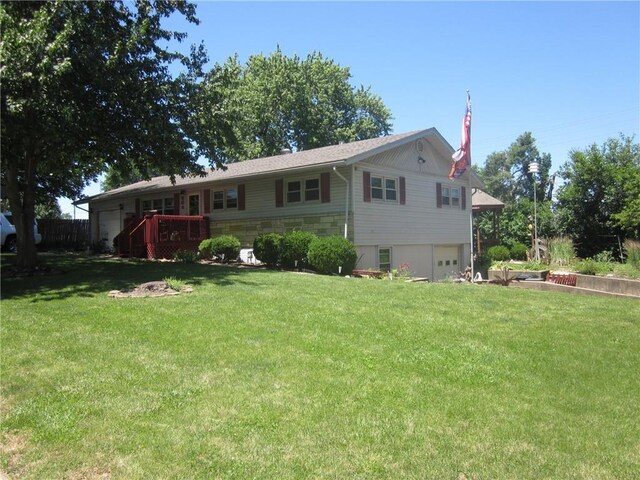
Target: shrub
[
  {"x": 498, "y": 253},
  {"x": 327, "y": 254},
  {"x": 295, "y": 247},
  {"x": 518, "y": 251},
  {"x": 632, "y": 251},
  {"x": 185, "y": 256},
  {"x": 481, "y": 264},
  {"x": 561, "y": 250},
  {"x": 224, "y": 247},
  {"x": 267, "y": 248},
  {"x": 591, "y": 266}
]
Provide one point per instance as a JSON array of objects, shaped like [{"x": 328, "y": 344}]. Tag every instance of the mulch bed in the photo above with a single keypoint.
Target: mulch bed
[{"x": 149, "y": 289}]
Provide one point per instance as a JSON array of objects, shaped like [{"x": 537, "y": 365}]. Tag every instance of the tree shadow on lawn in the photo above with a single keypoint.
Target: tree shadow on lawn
[{"x": 71, "y": 275}]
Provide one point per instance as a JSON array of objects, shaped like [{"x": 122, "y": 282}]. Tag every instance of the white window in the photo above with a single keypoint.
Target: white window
[
  {"x": 384, "y": 259},
  {"x": 163, "y": 206},
  {"x": 312, "y": 189},
  {"x": 455, "y": 197},
  {"x": 232, "y": 198},
  {"x": 222, "y": 199},
  {"x": 307, "y": 190},
  {"x": 383, "y": 188},
  {"x": 294, "y": 192},
  {"x": 451, "y": 197},
  {"x": 218, "y": 200}
]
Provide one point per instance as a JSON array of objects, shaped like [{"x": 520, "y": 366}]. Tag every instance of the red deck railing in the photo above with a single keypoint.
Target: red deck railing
[{"x": 160, "y": 236}]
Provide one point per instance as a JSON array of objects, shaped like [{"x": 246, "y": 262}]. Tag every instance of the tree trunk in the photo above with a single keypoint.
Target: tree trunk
[{"x": 21, "y": 191}]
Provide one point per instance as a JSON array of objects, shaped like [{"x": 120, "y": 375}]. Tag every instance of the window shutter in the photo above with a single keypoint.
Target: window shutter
[
  {"x": 207, "y": 201},
  {"x": 439, "y": 195},
  {"x": 137, "y": 203},
  {"x": 463, "y": 198},
  {"x": 403, "y": 191},
  {"x": 241, "y": 197},
  {"x": 325, "y": 187},
  {"x": 366, "y": 186},
  {"x": 279, "y": 193},
  {"x": 176, "y": 204}
]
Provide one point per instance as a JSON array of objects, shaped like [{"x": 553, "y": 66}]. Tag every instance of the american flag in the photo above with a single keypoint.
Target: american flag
[{"x": 462, "y": 156}]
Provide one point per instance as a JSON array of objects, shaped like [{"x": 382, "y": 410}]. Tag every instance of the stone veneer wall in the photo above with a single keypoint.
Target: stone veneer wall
[{"x": 247, "y": 230}]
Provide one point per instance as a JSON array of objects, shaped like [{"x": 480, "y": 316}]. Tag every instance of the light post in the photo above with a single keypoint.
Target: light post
[{"x": 534, "y": 168}]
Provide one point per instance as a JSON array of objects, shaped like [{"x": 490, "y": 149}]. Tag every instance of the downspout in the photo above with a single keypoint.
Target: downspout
[{"x": 346, "y": 202}]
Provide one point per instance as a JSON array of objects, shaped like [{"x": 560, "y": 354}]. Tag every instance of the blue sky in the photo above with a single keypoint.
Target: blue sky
[{"x": 569, "y": 72}]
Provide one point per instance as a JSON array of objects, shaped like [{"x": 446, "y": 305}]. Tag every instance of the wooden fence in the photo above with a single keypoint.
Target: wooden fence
[{"x": 59, "y": 233}]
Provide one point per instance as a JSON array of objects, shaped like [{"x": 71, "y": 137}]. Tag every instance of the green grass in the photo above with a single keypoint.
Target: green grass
[{"x": 263, "y": 374}]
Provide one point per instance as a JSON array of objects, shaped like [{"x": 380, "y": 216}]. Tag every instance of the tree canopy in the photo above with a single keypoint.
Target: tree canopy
[
  {"x": 85, "y": 85},
  {"x": 506, "y": 176},
  {"x": 601, "y": 195},
  {"x": 279, "y": 102}
]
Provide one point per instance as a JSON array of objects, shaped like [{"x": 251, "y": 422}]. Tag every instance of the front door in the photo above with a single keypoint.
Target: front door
[{"x": 194, "y": 204}]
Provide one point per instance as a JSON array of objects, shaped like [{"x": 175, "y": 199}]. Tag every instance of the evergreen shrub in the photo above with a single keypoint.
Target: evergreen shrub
[
  {"x": 295, "y": 247},
  {"x": 267, "y": 247},
  {"x": 498, "y": 253},
  {"x": 327, "y": 254},
  {"x": 224, "y": 247}
]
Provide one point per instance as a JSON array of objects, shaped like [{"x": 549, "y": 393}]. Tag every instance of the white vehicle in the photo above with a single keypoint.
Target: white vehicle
[{"x": 8, "y": 232}]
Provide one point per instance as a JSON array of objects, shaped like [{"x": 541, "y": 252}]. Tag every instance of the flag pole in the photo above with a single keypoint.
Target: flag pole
[{"x": 471, "y": 229}]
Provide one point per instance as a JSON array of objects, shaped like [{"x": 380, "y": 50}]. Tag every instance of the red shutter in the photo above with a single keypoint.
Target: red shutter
[
  {"x": 366, "y": 186},
  {"x": 463, "y": 198},
  {"x": 403, "y": 191},
  {"x": 241, "y": 197},
  {"x": 439, "y": 195},
  {"x": 325, "y": 187},
  {"x": 137, "y": 203},
  {"x": 207, "y": 201},
  {"x": 176, "y": 204},
  {"x": 279, "y": 193}
]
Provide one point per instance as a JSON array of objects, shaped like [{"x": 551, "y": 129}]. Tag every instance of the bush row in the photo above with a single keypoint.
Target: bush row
[
  {"x": 333, "y": 254},
  {"x": 295, "y": 249}
]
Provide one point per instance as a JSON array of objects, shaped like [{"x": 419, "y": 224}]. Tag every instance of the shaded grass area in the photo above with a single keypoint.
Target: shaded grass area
[{"x": 262, "y": 374}]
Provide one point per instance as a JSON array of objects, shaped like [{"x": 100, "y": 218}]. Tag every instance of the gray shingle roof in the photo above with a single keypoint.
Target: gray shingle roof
[
  {"x": 346, "y": 153},
  {"x": 483, "y": 201}
]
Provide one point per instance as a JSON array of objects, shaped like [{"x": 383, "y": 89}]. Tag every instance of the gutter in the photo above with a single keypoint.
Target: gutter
[{"x": 346, "y": 203}]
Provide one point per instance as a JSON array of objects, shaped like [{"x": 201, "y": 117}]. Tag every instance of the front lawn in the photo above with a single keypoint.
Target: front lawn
[{"x": 264, "y": 374}]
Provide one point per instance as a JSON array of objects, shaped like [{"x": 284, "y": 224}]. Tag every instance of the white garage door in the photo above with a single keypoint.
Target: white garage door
[
  {"x": 109, "y": 226},
  {"x": 446, "y": 261}
]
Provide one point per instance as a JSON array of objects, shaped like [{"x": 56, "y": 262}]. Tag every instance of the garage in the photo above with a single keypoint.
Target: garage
[{"x": 446, "y": 261}]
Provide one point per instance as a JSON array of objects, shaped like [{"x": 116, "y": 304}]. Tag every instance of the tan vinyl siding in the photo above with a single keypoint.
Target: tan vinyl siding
[{"x": 419, "y": 221}]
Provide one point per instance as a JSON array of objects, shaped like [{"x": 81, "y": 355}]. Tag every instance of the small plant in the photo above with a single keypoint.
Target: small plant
[
  {"x": 402, "y": 272},
  {"x": 295, "y": 247},
  {"x": 174, "y": 283},
  {"x": 632, "y": 252},
  {"x": 185, "y": 256},
  {"x": 225, "y": 247},
  {"x": 561, "y": 250},
  {"x": 498, "y": 253},
  {"x": 328, "y": 254},
  {"x": 267, "y": 248},
  {"x": 605, "y": 256}
]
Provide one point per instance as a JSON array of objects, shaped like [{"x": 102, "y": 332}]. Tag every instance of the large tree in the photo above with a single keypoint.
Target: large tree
[
  {"x": 281, "y": 102},
  {"x": 86, "y": 85},
  {"x": 600, "y": 198},
  {"x": 506, "y": 176}
]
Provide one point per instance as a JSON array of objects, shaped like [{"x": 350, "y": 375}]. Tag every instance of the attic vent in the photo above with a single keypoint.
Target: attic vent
[
  {"x": 285, "y": 151},
  {"x": 419, "y": 146}
]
